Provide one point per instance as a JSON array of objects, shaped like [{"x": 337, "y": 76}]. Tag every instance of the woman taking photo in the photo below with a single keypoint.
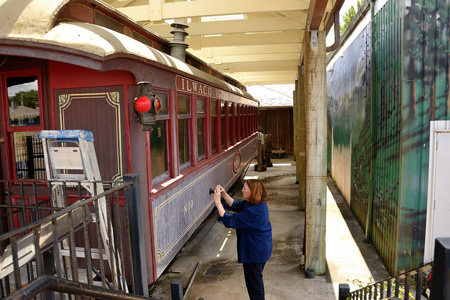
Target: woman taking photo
[{"x": 253, "y": 231}]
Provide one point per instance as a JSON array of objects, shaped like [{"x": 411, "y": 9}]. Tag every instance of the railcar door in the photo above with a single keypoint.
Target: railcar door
[{"x": 100, "y": 110}]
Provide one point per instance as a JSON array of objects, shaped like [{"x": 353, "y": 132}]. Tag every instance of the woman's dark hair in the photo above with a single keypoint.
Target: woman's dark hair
[{"x": 258, "y": 191}]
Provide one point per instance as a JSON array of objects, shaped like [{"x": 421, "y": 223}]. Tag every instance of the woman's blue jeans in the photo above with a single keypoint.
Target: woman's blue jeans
[{"x": 254, "y": 280}]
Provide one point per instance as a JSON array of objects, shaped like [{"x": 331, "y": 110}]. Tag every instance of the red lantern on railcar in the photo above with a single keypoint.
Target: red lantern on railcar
[{"x": 147, "y": 105}]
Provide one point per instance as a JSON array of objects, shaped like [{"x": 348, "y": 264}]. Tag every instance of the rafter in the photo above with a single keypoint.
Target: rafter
[
  {"x": 235, "y": 26},
  {"x": 119, "y": 3},
  {"x": 287, "y": 65},
  {"x": 252, "y": 58},
  {"x": 263, "y": 74},
  {"x": 156, "y": 10},
  {"x": 234, "y": 40},
  {"x": 253, "y": 79},
  {"x": 246, "y": 50}
]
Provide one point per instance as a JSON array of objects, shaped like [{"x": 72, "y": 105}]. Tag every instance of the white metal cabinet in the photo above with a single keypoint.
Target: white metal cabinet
[{"x": 438, "y": 206}]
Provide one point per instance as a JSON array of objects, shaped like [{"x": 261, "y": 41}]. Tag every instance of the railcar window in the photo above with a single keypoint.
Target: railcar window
[
  {"x": 24, "y": 121},
  {"x": 213, "y": 109},
  {"x": 201, "y": 126},
  {"x": 223, "y": 128},
  {"x": 238, "y": 122},
  {"x": 244, "y": 121},
  {"x": 142, "y": 39},
  {"x": 158, "y": 149},
  {"x": 255, "y": 119},
  {"x": 23, "y": 101},
  {"x": 230, "y": 123},
  {"x": 255, "y": 123},
  {"x": 200, "y": 107},
  {"x": 241, "y": 118},
  {"x": 159, "y": 142},
  {"x": 184, "y": 107},
  {"x": 104, "y": 21},
  {"x": 247, "y": 121},
  {"x": 164, "y": 110},
  {"x": 250, "y": 120},
  {"x": 183, "y": 130}
]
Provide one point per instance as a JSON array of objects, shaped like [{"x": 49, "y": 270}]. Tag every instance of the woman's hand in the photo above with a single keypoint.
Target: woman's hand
[
  {"x": 217, "y": 197},
  {"x": 217, "y": 194},
  {"x": 221, "y": 189},
  {"x": 224, "y": 194}
]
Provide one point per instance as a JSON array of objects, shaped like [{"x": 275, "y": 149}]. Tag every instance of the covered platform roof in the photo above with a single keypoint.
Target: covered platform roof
[{"x": 257, "y": 42}]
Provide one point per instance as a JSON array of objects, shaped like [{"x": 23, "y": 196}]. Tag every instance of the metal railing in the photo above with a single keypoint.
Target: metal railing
[
  {"x": 408, "y": 285},
  {"x": 40, "y": 242},
  {"x": 431, "y": 278},
  {"x": 47, "y": 283}
]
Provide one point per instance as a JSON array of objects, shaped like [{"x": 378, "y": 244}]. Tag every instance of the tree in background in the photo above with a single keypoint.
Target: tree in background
[{"x": 349, "y": 15}]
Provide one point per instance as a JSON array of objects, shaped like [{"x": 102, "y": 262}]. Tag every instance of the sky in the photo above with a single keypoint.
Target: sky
[{"x": 345, "y": 7}]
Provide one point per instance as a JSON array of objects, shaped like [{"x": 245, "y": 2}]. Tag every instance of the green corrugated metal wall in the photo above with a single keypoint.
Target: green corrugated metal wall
[
  {"x": 387, "y": 122},
  {"x": 411, "y": 48},
  {"x": 425, "y": 97}
]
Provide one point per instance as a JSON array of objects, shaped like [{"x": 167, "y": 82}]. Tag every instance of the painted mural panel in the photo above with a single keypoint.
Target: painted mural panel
[
  {"x": 348, "y": 114},
  {"x": 383, "y": 130},
  {"x": 387, "y": 156},
  {"x": 425, "y": 98}
]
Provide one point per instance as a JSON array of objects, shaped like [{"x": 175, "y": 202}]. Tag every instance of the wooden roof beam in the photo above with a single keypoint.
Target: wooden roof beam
[
  {"x": 289, "y": 65},
  {"x": 156, "y": 10},
  {"x": 236, "y": 40},
  {"x": 246, "y": 50},
  {"x": 316, "y": 12},
  {"x": 267, "y": 79},
  {"x": 251, "y": 58},
  {"x": 234, "y": 26}
]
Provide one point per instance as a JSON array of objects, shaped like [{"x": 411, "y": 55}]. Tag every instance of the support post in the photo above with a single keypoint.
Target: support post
[
  {"x": 136, "y": 231},
  {"x": 49, "y": 262},
  {"x": 176, "y": 289},
  {"x": 316, "y": 153},
  {"x": 344, "y": 291},
  {"x": 301, "y": 155},
  {"x": 440, "y": 278},
  {"x": 296, "y": 129},
  {"x": 373, "y": 129}
]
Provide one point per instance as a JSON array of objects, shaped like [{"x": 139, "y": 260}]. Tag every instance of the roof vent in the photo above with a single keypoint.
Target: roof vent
[{"x": 178, "y": 46}]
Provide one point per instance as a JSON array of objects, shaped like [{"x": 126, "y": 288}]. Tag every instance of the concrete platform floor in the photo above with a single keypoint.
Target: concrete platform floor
[{"x": 220, "y": 276}]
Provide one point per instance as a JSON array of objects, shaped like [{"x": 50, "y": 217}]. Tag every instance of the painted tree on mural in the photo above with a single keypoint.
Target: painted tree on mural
[
  {"x": 427, "y": 45},
  {"x": 425, "y": 98}
]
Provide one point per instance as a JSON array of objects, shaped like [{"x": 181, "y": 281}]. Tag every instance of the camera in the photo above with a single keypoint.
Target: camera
[{"x": 211, "y": 191}]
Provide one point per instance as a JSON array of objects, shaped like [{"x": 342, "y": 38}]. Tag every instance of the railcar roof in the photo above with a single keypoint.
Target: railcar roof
[{"x": 33, "y": 21}]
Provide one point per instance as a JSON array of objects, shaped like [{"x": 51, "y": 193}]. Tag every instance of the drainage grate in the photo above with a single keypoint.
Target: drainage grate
[{"x": 213, "y": 272}]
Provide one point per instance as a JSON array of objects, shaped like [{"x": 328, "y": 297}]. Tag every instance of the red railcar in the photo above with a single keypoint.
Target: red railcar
[{"x": 75, "y": 64}]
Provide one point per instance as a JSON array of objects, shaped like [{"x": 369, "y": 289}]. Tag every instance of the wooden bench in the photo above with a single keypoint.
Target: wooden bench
[{"x": 278, "y": 152}]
